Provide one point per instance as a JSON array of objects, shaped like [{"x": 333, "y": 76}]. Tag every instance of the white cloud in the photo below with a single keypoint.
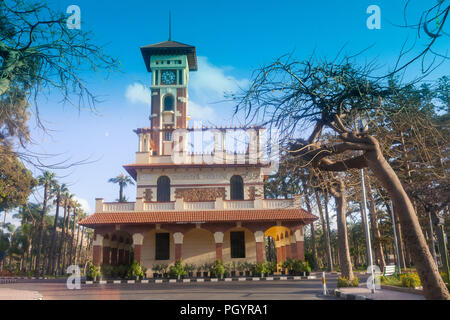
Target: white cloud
[
  {"x": 210, "y": 82},
  {"x": 138, "y": 93},
  {"x": 84, "y": 204},
  {"x": 200, "y": 112}
]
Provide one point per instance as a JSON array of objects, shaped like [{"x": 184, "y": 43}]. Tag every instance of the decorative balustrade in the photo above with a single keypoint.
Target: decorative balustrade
[
  {"x": 239, "y": 204},
  {"x": 203, "y": 205},
  {"x": 200, "y": 205},
  {"x": 118, "y": 206},
  {"x": 159, "y": 206},
  {"x": 278, "y": 203}
]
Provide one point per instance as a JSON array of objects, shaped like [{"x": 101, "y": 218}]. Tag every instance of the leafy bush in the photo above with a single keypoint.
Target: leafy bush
[
  {"x": 218, "y": 268},
  {"x": 164, "y": 268},
  {"x": 345, "y": 282},
  {"x": 271, "y": 266},
  {"x": 93, "y": 271},
  {"x": 189, "y": 267},
  {"x": 135, "y": 270},
  {"x": 261, "y": 268},
  {"x": 306, "y": 267},
  {"x": 107, "y": 271},
  {"x": 410, "y": 280},
  {"x": 309, "y": 259},
  {"x": 156, "y": 268},
  {"x": 288, "y": 264},
  {"x": 177, "y": 270}
]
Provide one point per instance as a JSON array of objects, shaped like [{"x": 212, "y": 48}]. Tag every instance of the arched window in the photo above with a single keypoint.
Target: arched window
[
  {"x": 163, "y": 189},
  {"x": 237, "y": 188},
  {"x": 168, "y": 103}
]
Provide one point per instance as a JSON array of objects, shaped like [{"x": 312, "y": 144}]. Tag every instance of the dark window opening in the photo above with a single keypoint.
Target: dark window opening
[
  {"x": 162, "y": 246},
  {"x": 163, "y": 189},
  {"x": 237, "y": 244},
  {"x": 237, "y": 188},
  {"x": 168, "y": 103}
]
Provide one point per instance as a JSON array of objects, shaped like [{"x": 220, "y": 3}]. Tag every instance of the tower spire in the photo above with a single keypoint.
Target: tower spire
[{"x": 170, "y": 25}]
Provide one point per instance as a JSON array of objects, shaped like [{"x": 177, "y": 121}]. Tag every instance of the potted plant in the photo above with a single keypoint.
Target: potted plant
[
  {"x": 260, "y": 269},
  {"x": 163, "y": 269},
  {"x": 287, "y": 265},
  {"x": 297, "y": 267},
  {"x": 177, "y": 270},
  {"x": 205, "y": 268},
  {"x": 199, "y": 271},
  {"x": 156, "y": 269},
  {"x": 271, "y": 267},
  {"x": 135, "y": 271},
  {"x": 93, "y": 272},
  {"x": 240, "y": 268},
  {"x": 189, "y": 269},
  {"x": 219, "y": 268},
  {"x": 306, "y": 268},
  {"x": 231, "y": 269},
  {"x": 247, "y": 268}
]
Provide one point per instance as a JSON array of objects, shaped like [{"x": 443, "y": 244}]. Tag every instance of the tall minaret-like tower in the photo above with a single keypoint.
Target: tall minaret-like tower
[{"x": 170, "y": 63}]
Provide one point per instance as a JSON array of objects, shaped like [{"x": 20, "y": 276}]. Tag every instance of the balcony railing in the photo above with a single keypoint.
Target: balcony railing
[{"x": 180, "y": 205}]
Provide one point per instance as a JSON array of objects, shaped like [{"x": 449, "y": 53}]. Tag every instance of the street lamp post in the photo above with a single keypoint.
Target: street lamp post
[
  {"x": 366, "y": 226},
  {"x": 395, "y": 238},
  {"x": 362, "y": 128}
]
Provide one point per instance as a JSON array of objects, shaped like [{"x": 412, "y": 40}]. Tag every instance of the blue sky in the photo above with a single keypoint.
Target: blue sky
[{"x": 232, "y": 39}]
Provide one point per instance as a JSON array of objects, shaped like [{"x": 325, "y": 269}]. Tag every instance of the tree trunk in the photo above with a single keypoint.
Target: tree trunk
[
  {"x": 313, "y": 234},
  {"x": 120, "y": 192},
  {"x": 41, "y": 230},
  {"x": 344, "y": 249},
  {"x": 51, "y": 267},
  {"x": 76, "y": 244},
  {"x": 325, "y": 233},
  {"x": 73, "y": 237},
  {"x": 379, "y": 256},
  {"x": 81, "y": 245},
  {"x": 433, "y": 286},
  {"x": 64, "y": 241}
]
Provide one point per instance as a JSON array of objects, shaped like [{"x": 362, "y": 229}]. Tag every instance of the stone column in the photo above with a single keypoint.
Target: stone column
[
  {"x": 114, "y": 245},
  {"x": 283, "y": 248},
  {"x": 106, "y": 251},
  {"x": 278, "y": 249},
  {"x": 293, "y": 246},
  {"x": 178, "y": 240},
  {"x": 299, "y": 239},
  {"x": 218, "y": 238},
  {"x": 138, "y": 240},
  {"x": 259, "y": 238},
  {"x": 97, "y": 250}
]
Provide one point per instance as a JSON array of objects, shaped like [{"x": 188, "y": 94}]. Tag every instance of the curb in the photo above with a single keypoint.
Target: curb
[
  {"x": 347, "y": 296},
  {"x": 166, "y": 280}
]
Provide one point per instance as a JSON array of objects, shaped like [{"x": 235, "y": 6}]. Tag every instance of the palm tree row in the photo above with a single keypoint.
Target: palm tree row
[{"x": 44, "y": 244}]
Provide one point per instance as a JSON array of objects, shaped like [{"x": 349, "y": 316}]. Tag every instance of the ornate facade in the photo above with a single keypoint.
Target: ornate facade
[{"x": 190, "y": 206}]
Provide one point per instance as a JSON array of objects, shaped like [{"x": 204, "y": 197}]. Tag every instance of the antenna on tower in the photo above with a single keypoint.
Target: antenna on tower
[{"x": 170, "y": 25}]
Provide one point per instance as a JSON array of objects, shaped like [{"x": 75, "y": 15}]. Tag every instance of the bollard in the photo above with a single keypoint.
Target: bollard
[{"x": 324, "y": 284}]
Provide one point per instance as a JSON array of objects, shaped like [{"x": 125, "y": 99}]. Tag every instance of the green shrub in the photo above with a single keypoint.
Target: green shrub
[
  {"x": 107, "y": 271},
  {"x": 345, "y": 282},
  {"x": 342, "y": 282},
  {"x": 218, "y": 268},
  {"x": 271, "y": 266},
  {"x": 288, "y": 264},
  {"x": 93, "y": 271},
  {"x": 261, "y": 268},
  {"x": 296, "y": 266},
  {"x": 156, "y": 268},
  {"x": 306, "y": 267},
  {"x": 135, "y": 270},
  {"x": 177, "y": 270},
  {"x": 189, "y": 267},
  {"x": 164, "y": 268},
  {"x": 410, "y": 280}
]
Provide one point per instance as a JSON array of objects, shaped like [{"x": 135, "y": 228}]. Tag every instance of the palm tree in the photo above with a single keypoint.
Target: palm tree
[
  {"x": 57, "y": 190},
  {"x": 68, "y": 202},
  {"x": 76, "y": 210},
  {"x": 123, "y": 181},
  {"x": 47, "y": 179}
]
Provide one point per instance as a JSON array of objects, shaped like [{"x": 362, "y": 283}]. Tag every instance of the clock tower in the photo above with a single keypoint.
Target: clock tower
[{"x": 169, "y": 63}]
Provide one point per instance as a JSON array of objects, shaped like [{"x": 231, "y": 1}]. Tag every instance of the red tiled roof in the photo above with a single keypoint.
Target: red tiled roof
[{"x": 104, "y": 218}]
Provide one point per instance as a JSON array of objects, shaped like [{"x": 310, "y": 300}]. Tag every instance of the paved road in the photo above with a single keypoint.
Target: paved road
[{"x": 248, "y": 290}]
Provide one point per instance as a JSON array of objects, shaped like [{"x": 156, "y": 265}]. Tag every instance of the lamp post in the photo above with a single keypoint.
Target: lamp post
[
  {"x": 395, "y": 238},
  {"x": 362, "y": 128}
]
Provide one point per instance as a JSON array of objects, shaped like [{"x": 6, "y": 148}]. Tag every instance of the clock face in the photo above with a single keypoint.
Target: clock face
[{"x": 168, "y": 77}]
